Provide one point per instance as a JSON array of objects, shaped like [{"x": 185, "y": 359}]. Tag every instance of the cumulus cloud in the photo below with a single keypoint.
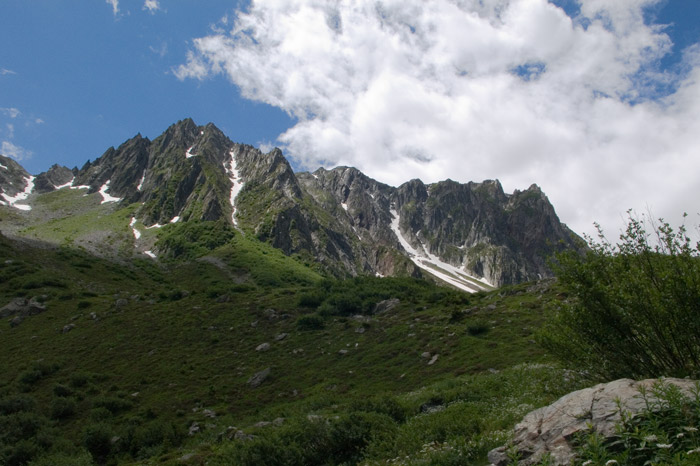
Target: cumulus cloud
[
  {"x": 471, "y": 90},
  {"x": 16, "y": 152},
  {"x": 151, "y": 5},
  {"x": 115, "y": 6}
]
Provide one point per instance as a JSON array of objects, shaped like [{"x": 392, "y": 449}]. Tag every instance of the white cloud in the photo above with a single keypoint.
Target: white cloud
[
  {"x": 11, "y": 112},
  {"x": 10, "y": 150},
  {"x": 4, "y": 71},
  {"x": 471, "y": 90},
  {"x": 161, "y": 50},
  {"x": 10, "y": 130},
  {"x": 115, "y": 6},
  {"x": 151, "y": 5}
]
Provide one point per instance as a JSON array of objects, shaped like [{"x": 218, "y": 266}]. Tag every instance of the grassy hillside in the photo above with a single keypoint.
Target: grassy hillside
[{"x": 148, "y": 362}]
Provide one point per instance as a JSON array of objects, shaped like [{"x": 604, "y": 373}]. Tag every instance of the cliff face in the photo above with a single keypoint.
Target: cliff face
[{"x": 471, "y": 235}]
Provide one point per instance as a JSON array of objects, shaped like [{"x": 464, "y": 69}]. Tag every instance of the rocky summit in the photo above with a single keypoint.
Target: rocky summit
[{"x": 473, "y": 236}]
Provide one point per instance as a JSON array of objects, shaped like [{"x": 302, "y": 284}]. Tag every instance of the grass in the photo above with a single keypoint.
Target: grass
[{"x": 156, "y": 344}]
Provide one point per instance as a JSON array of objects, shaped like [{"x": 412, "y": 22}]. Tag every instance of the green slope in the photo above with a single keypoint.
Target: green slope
[{"x": 152, "y": 348}]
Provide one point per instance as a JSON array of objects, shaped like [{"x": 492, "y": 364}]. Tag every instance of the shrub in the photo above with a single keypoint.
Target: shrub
[
  {"x": 62, "y": 390},
  {"x": 343, "y": 304},
  {"x": 478, "y": 327},
  {"x": 81, "y": 458},
  {"x": 97, "y": 439},
  {"x": 312, "y": 322},
  {"x": 635, "y": 306},
  {"x": 16, "y": 404},
  {"x": 20, "y": 453},
  {"x": 113, "y": 404},
  {"x": 79, "y": 379},
  {"x": 62, "y": 408}
]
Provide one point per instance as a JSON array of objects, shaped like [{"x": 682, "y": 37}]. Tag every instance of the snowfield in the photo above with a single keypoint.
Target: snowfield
[
  {"x": 13, "y": 201},
  {"x": 236, "y": 183}
]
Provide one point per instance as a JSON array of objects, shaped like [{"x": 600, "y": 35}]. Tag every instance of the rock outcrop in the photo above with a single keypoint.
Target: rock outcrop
[{"x": 550, "y": 430}]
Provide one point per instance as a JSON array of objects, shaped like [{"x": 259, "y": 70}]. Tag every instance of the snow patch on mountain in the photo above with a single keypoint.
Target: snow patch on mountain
[
  {"x": 13, "y": 200},
  {"x": 236, "y": 183},
  {"x": 189, "y": 153},
  {"x": 106, "y": 197},
  {"x": 137, "y": 234},
  {"x": 175, "y": 219},
  {"x": 138, "y": 188},
  {"x": 65, "y": 185},
  {"x": 435, "y": 266}
]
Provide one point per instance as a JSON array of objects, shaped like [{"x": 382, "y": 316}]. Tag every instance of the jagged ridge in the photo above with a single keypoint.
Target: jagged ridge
[{"x": 472, "y": 235}]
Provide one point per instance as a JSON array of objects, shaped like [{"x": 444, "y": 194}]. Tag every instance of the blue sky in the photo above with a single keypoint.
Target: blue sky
[
  {"x": 593, "y": 100},
  {"x": 84, "y": 79}
]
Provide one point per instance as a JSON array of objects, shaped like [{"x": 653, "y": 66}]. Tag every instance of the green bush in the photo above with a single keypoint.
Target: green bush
[
  {"x": 62, "y": 390},
  {"x": 16, "y": 404},
  {"x": 113, "y": 404},
  {"x": 635, "y": 306},
  {"x": 20, "y": 453},
  {"x": 478, "y": 327},
  {"x": 312, "y": 322},
  {"x": 81, "y": 458},
  {"x": 97, "y": 439},
  {"x": 62, "y": 408}
]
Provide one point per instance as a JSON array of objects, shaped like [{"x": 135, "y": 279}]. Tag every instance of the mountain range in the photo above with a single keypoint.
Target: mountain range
[{"x": 192, "y": 187}]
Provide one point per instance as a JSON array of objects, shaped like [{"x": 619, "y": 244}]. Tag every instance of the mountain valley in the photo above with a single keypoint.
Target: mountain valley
[{"x": 189, "y": 300}]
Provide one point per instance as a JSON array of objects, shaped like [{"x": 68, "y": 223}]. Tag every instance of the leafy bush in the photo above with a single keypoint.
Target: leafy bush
[
  {"x": 635, "y": 307},
  {"x": 113, "y": 404},
  {"x": 312, "y": 322},
  {"x": 478, "y": 327},
  {"x": 16, "y": 404},
  {"x": 97, "y": 439},
  {"x": 62, "y": 390},
  {"x": 37, "y": 372},
  {"x": 19, "y": 453},
  {"x": 62, "y": 408},
  {"x": 319, "y": 441},
  {"x": 81, "y": 458}
]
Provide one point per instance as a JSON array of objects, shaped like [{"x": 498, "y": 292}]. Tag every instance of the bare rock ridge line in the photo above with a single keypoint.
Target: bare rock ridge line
[{"x": 473, "y": 236}]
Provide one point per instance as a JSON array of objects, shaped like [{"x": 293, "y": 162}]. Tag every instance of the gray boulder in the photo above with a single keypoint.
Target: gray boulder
[
  {"x": 386, "y": 305},
  {"x": 551, "y": 430},
  {"x": 22, "y": 307},
  {"x": 258, "y": 378},
  {"x": 262, "y": 347}
]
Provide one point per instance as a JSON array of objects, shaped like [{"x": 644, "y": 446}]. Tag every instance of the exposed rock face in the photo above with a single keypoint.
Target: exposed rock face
[
  {"x": 551, "y": 429},
  {"x": 14, "y": 179},
  {"x": 473, "y": 236},
  {"x": 53, "y": 178}
]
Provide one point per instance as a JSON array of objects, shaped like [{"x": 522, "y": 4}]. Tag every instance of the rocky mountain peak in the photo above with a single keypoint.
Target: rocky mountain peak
[
  {"x": 473, "y": 236},
  {"x": 52, "y": 179}
]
